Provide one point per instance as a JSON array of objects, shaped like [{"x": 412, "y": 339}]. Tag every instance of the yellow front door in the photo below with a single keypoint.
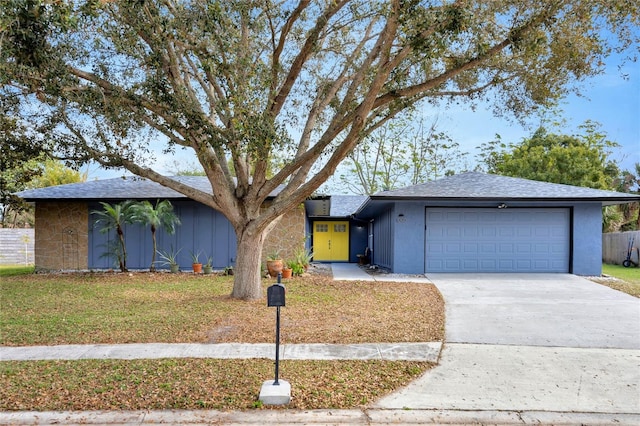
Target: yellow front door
[{"x": 331, "y": 241}]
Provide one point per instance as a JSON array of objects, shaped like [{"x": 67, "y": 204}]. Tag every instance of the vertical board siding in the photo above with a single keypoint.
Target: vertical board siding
[
  {"x": 17, "y": 246},
  {"x": 202, "y": 229},
  {"x": 616, "y": 244},
  {"x": 383, "y": 234}
]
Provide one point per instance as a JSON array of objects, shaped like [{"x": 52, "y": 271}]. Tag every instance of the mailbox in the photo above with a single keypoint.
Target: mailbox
[{"x": 275, "y": 295}]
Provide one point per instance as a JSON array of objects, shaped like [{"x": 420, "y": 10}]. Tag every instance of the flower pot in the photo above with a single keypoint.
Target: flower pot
[
  {"x": 197, "y": 268},
  {"x": 274, "y": 267},
  {"x": 287, "y": 272},
  {"x": 207, "y": 269},
  {"x": 174, "y": 268}
]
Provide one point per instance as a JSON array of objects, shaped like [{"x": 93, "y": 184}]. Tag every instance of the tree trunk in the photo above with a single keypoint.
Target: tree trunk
[
  {"x": 123, "y": 262},
  {"x": 247, "y": 282},
  {"x": 152, "y": 268}
]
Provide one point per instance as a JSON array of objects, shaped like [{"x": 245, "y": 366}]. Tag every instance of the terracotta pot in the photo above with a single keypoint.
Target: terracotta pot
[
  {"x": 197, "y": 268},
  {"x": 274, "y": 267},
  {"x": 287, "y": 272}
]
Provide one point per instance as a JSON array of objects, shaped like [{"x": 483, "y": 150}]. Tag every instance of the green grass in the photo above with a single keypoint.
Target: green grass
[
  {"x": 628, "y": 279},
  {"x": 12, "y": 270}
]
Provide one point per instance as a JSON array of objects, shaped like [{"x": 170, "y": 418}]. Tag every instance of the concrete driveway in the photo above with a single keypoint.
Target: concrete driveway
[
  {"x": 538, "y": 310},
  {"x": 532, "y": 342}
]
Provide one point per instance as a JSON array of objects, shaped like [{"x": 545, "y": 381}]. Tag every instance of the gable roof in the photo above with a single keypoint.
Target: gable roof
[
  {"x": 478, "y": 186},
  {"x": 123, "y": 188}
]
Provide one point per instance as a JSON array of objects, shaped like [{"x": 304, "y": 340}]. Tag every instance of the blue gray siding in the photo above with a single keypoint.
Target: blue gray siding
[
  {"x": 203, "y": 229},
  {"x": 383, "y": 239},
  {"x": 400, "y": 245}
]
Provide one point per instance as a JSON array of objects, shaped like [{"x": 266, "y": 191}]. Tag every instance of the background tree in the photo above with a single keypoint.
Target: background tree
[
  {"x": 159, "y": 216},
  {"x": 302, "y": 82},
  {"x": 28, "y": 169},
  {"x": 624, "y": 217},
  {"x": 581, "y": 160},
  {"x": 400, "y": 153}
]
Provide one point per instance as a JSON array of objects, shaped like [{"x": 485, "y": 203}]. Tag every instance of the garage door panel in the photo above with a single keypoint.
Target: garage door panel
[{"x": 491, "y": 240}]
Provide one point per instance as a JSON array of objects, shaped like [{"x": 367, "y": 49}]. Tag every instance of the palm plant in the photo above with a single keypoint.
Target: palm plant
[
  {"x": 114, "y": 217},
  {"x": 159, "y": 216}
]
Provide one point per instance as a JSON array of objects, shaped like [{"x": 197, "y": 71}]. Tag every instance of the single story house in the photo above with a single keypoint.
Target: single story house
[{"x": 471, "y": 222}]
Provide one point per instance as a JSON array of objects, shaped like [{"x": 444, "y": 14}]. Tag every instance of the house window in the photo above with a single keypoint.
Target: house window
[{"x": 322, "y": 227}]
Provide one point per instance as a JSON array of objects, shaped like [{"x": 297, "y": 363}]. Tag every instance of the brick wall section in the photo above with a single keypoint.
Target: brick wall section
[
  {"x": 61, "y": 235},
  {"x": 287, "y": 236}
]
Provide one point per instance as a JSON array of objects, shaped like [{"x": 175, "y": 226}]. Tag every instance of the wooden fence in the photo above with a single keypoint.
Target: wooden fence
[
  {"x": 16, "y": 246},
  {"x": 616, "y": 244}
]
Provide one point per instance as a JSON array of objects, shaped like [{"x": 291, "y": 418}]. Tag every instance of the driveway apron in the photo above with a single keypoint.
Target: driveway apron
[{"x": 548, "y": 342}]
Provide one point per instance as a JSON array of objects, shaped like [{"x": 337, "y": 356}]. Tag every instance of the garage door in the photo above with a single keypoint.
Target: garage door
[{"x": 497, "y": 240}]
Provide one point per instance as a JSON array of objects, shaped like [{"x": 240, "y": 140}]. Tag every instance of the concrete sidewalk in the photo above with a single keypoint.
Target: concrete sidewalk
[
  {"x": 319, "y": 351},
  {"x": 353, "y": 272}
]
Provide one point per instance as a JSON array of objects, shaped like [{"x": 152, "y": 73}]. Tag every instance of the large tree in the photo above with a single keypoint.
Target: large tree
[{"x": 241, "y": 82}]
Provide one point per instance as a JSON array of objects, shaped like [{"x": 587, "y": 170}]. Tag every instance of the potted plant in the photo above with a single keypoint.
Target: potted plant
[
  {"x": 196, "y": 264},
  {"x": 297, "y": 268},
  {"x": 207, "y": 268},
  {"x": 228, "y": 270},
  {"x": 274, "y": 264},
  {"x": 303, "y": 257},
  {"x": 287, "y": 271},
  {"x": 170, "y": 258}
]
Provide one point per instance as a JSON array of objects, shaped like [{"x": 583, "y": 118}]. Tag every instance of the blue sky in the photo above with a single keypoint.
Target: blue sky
[{"x": 608, "y": 99}]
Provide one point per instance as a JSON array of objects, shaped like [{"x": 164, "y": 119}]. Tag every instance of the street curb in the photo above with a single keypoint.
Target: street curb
[{"x": 324, "y": 417}]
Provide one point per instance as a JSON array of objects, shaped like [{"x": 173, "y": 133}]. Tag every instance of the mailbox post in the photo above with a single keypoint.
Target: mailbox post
[
  {"x": 276, "y": 298},
  {"x": 276, "y": 392}
]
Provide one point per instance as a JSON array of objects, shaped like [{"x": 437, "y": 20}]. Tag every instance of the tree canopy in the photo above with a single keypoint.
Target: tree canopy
[
  {"x": 580, "y": 160},
  {"x": 243, "y": 82},
  {"x": 401, "y": 153}
]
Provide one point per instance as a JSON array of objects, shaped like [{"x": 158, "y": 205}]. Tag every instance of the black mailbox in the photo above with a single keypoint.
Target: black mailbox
[{"x": 275, "y": 295}]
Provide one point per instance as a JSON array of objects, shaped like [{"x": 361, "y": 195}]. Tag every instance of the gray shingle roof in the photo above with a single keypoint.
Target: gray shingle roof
[
  {"x": 124, "y": 188},
  {"x": 334, "y": 205},
  {"x": 482, "y": 186},
  {"x": 346, "y": 205}
]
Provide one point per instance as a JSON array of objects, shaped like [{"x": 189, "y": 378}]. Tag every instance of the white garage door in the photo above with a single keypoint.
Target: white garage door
[{"x": 497, "y": 240}]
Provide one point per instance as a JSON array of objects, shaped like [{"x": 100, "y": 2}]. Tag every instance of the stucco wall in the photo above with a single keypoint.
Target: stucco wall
[
  {"x": 409, "y": 224},
  {"x": 587, "y": 239},
  {"x": 61, "y": 239}
]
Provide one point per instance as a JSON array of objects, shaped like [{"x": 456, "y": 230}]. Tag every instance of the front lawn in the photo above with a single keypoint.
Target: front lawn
[
  {"x": 47, "y": 309},
  {"x": 51, "y": 309},
  {"x": 620, "y": 278}
]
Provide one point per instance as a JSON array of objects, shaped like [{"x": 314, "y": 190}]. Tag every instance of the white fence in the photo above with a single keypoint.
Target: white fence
[
  {"x": 16, "y": 246},
  {"x": 616, "y": 244}
]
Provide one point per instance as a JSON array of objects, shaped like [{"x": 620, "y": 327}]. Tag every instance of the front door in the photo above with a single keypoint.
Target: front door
[{"x": 331, "y": 241}]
